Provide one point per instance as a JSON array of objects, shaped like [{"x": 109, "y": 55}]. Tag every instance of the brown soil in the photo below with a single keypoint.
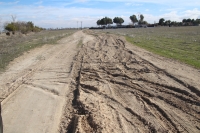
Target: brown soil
[{"x": 105, "y": 85}]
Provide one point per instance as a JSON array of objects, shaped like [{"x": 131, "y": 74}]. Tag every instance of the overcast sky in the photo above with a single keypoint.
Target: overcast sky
[{"x": 66, "y": 13}]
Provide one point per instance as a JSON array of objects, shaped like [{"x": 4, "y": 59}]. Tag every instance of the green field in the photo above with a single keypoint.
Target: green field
[
  {"x": 180, "y": 43},
  {"x": 15, "y": 45}
]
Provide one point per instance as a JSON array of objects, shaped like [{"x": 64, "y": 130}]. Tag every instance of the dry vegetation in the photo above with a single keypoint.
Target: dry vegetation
[
  {"x": 14, "y": 45},
  {"x": 180, "y": 43}
]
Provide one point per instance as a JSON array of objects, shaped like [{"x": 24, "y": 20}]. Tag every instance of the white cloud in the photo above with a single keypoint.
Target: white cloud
[
  {"x": 165, "y": 2},
  {"x": 174, "y": 16},
  {"x": 9, "y": 3},
  {"x": 52, "y": 16},
  {"x": 193, "y": 14},
  {"x": 68, "y": 17}
]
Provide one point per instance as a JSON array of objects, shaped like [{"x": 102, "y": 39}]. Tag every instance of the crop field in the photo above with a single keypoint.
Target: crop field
[
  {"x": 14, "y": 45},
  {"x": 180, "y": 43}
]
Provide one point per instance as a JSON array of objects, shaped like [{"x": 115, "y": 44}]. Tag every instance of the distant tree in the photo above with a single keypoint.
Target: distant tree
[
  {"x": 134, "y": 19},
  {"x": 167, "y": 22},
  {"x": 98, "y": 22},
  {"x": 108, "y": 20},
  {"x": 10, "y": 27},
  {"x": 161, "y": 21},
  {"x": 118, "y": 20},
  {"x": 197, "y": 22},
  {"x": 105, "y": 21},
  {"x": 188, "y": 20},
  {"x": 180, "y": 24},
  {"x": 145, "y": 22},
  {"x": 141, "y": 21},
  {"x": 192, "y": 21},
  {"x": 184, "y": 20},
  {"x": 172, "y": 23},
  {"x": 141, "y": 18},
  {"x": 30, "y": 26}
]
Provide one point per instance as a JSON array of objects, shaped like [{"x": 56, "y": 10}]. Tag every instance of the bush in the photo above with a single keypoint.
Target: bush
[
  {"x": 23, "y": 27},
  {"x": 10, "y": 27}
]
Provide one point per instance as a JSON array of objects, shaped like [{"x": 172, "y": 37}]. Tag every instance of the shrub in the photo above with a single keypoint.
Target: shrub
[{"x": 23, "y": 27}]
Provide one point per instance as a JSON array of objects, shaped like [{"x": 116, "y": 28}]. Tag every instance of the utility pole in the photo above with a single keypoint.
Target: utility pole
[{"x": 81, "y": 25}]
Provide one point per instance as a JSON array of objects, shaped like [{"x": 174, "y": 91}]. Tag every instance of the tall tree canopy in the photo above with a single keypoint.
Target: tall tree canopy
[
  {"x": 134, "y": 19},
  {"x": 118, "y": 20},
  {"x": 161, "y": 21},
  {"x": 99, "y": 22},
  {"x": 104, "y": 21},
  {"x": 141, "y": 21},
  {"x": 141, "y": 18}
]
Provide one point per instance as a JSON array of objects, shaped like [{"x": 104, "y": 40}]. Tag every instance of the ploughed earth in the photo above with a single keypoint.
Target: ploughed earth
[{"x": 98, "y": 82}]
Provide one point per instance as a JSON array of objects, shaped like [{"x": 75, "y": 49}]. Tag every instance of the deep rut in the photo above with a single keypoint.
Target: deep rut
[{"x": 115, "y": 90}]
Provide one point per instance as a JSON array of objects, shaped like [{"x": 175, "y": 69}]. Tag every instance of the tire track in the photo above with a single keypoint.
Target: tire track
[{"x": 113, "y": 85}]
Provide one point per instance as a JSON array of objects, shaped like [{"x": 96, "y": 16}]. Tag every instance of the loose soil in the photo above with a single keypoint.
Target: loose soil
[{"x": 104, "y": 85}]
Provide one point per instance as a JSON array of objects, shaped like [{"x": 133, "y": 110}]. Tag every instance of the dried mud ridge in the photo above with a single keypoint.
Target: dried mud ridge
[{"x": 115, "y": 90}]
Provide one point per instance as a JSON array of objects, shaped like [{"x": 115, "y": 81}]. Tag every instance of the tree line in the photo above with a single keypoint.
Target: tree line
[
  {"x": 140, "y": 21},
  {"x": 119, "y": 21},
  {"x": 185, "y": 22}
]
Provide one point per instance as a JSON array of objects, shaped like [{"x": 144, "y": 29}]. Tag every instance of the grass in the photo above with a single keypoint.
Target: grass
[
  {"x": 180, "y": 43},
  {"x": 14, "y": 46}
]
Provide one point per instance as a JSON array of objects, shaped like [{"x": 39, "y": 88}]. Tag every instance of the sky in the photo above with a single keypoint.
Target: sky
[{"x": 70, "y": 13}]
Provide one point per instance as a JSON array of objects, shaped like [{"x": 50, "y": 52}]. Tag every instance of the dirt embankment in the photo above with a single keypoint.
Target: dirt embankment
[
  {"x": 104, "y": 85},
  {"x": 117, "y": 90}
]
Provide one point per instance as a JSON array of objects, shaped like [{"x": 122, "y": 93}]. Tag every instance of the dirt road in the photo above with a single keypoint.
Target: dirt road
[
  {"x": 104, "y": 85},
  {"x": 37, "y": 83}
]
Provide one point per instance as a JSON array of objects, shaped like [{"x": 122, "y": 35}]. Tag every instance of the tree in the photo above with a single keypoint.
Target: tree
[
  {"x": 188, "y": 20},
  {"x": 141, "y": 18},
  {"x": 98, "y": 22},
  {"x": 10, "y": 27},
  {"x": 196, "y": 22},
  {"x": 134, "y": 19},
  {"x": 145, "y": 22},
  {"x": 118, "y": 20},
  {"x": 108, "y": 21},
  {"x": 161, "y": 21},
  {"x": 192, "y": 20},
  {"x": 105, "y": 21},
  {"x": 167, "y": 22},
  {"x": 184, "y": 20},
  {"x": 141, "y": 21},
  {"x": 30, "y": 25}
]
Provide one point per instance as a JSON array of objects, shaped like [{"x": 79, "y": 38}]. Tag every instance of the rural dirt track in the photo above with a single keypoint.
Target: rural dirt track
[{"x": 104, "y": 85}]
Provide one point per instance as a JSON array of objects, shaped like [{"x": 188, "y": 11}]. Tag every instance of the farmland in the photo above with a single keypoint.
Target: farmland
[{"x": 180, "y": 43}]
